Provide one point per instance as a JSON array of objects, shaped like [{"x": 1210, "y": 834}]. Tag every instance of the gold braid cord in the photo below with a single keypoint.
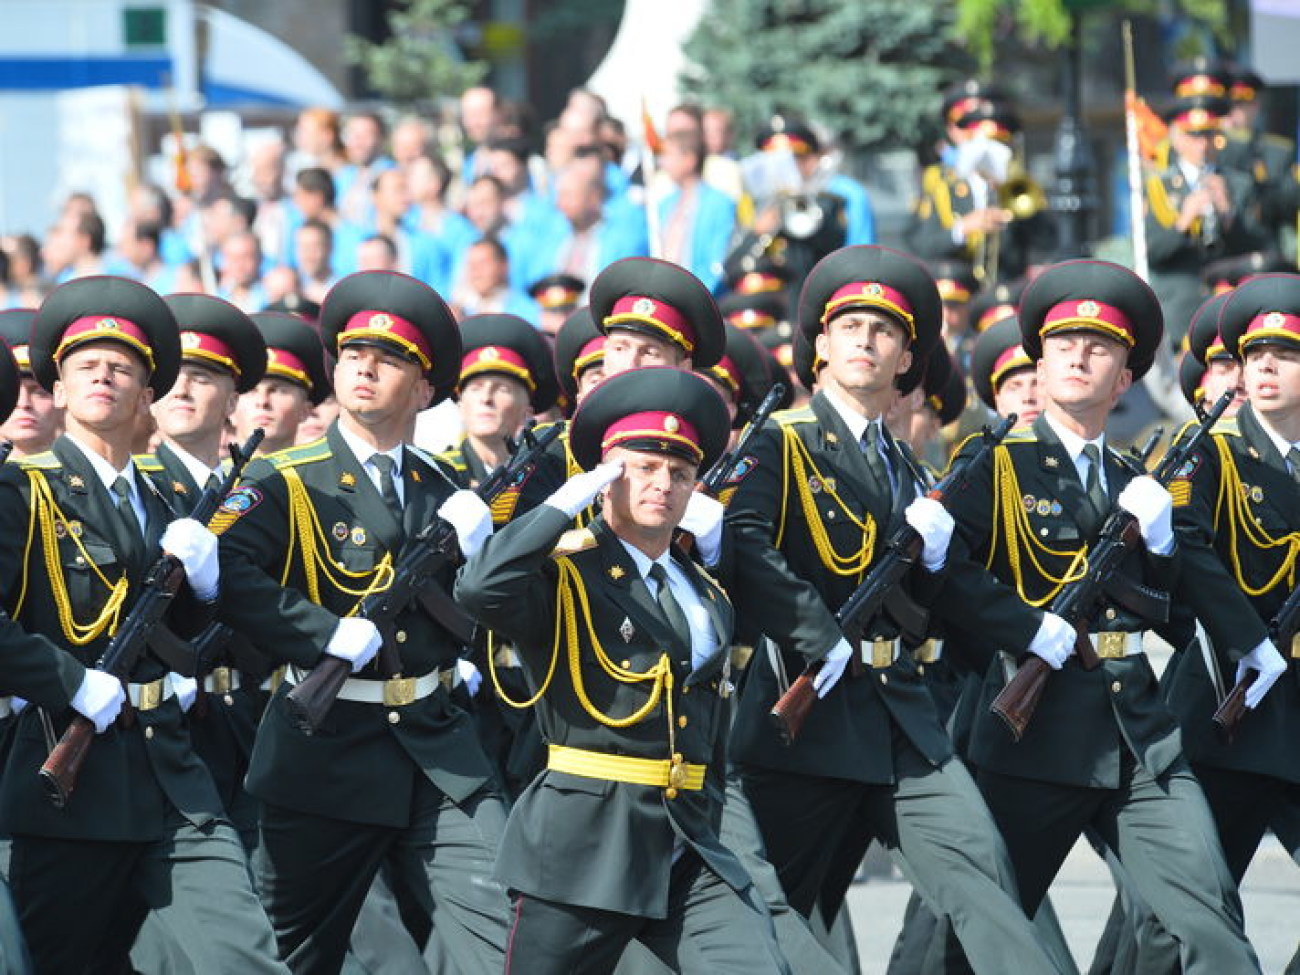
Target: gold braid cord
[
  {"x": 1012, "y": 531},
  {"x": 796, "y": 463},
  {"x": 571, "y": 597},
  {"x": 1232, "y": 505},
  {"x": 45, "y": 515},
  {"x": 307, "y": 537}
]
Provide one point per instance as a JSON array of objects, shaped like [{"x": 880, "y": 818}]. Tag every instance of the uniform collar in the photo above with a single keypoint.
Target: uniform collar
[
  {"x": 642, "y": 561},
  {"x": 1071, "y": 441},
  {"x": 104, "y": 470},
  {"x": 855, "y": 421},
  {"x": 199, "y": 472},
  {"x": 364, "y": 453},
  {"x": 1283, "y": 446}
]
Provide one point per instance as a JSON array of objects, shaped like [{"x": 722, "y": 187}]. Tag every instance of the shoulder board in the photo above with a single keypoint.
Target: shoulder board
[
  {"x": 1228, "y": 426},
  {"x": 1021, "y": 435},
  {"x": 574, "y": 540},
  {"x": 149, "y": 463},
  {"x": 1277, "y": 141},
  {"x": 302, "y": 454},
  {"x": 543, "y": 427},
  {"x": 803, "y": 414},
  {"x": 454, "y": 459},
  {"x": 439, "y": 464},
  {"x": 44, "y": 461}
]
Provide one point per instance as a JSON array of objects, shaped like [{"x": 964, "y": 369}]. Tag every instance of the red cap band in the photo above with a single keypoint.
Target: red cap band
[
  {"x": 558, "y": 296},
  {"x": 1272, "y": 325},
  {"x": 963, "y": 105},
  {"x": 94, "y": 328},
  {"x": 659, "y": 315},
  {"x": 1199, "y": 84},
  {"x": 952, "y": 291},
  {"x": 208, "y": 349},
  {"x": 592, "y": 354},
  {"x": 286, "y": 365},
  {"x": 751, "y": 318},
  {"x": 994, "y": 314},
  {"x": 671, "y": 429},
  {"x": 756, "y": 282},
  {"x": 497, "y": 358},
  {"x": 22, "y": 356},
  {"x": 1197, "y": 120},
  {"x": 725, "y": 372},
  {"x": 871, "y": 294},
  {"x": 1242, "y": 92},
  {"x": 784, "y": 140},
  {"x": 1008, "y": 362},
  {"x": 386, "y": 327},
  {"x": 1089, "y": 315}
]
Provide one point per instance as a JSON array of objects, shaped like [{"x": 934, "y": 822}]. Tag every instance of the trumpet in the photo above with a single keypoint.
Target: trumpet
[{"x": 1021, "y": 196}]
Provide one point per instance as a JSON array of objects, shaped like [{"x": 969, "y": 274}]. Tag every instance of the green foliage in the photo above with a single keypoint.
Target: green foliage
[
  {"x": 420, "y": 62},
  {"x": 869, "y": 70},
  {"x": 980, "y": 23}
]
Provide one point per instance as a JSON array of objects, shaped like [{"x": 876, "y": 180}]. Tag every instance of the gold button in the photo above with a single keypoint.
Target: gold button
[
  {"x": 920, "y": 670},
  {"x": 394, "y": 717},
  {"x": 1110, "y": 614},
  {"x": 1043, "y": 532},
  {"x": 148, "y": 732},
  {"x": 626, "y": 664},
  {"x": 670, "y": 792},
  {"x": 830, "y": 515},
  {"x": 1116, "y": 686},
  {"x": 230, "y": 700},
  {"x": 400, "y": 636},
  {"x": 884, "y": 678},
  {"x": 686, "y": 688},
  {"x": 80, "y": 560},
  {"x": 682, "y": 722}
]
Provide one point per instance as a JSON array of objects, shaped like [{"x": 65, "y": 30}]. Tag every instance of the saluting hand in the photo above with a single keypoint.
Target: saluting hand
[{"x": 581, "y": 489}]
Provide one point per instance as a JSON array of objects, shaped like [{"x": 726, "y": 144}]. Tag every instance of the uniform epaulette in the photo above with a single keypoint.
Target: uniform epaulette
[
  {"x": 1277, "y": 141},
  {"x": 439, "y": 463},
  {"x": 454, "y": 459},
  {"x": 802, "y": 414},
  {"x": 149, "y": 463},
  {"x": 44, "y": 461},
  {"x": 1228, "y": 426},
  {"x": 301, "y": 454},
  {"x": 573, "y": 541}
]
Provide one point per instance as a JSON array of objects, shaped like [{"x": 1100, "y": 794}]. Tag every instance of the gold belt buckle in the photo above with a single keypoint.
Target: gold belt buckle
[
  {"x": 927, "y": 652},
  {"x": 221, "y": 683},
  {"x": 1295, "y": 647},
  {"x": 399, "y": 691},
  {"x": 882, "y": 653},
  {"x": 151, "y": 695},
  {"x": 1111, "y": 645},
  {"x": 676, "y": 776}
]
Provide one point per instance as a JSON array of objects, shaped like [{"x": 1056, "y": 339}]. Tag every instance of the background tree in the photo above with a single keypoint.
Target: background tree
[
  {"x": 421, "y": 61},
  {"x": 871, "y": 71}
]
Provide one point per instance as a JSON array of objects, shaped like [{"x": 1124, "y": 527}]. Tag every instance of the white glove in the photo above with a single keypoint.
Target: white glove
[
  {"x": 933, "y": 523},
  {"x": 1054, "y": 641},
  {"x": 186, "y": 690},
  {"x": 581, "y": 489},
  {"x": 99, "y": 698},
  {"x": 1268, "y": 664},
  {"x": 703, "y": 519},
  {"x": 196, "y": 547},
  {"x": 356, "y": 641},
  {"x": 13, "y": 705},
  {"x": 833, "y": 665},
  {"x": 466, "y": 512},
  {"x": 469, "y": 676},
  {"x": 1153, "y": 507}
]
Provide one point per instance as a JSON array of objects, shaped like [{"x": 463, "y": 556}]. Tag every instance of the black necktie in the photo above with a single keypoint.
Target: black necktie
[
  {"x": 1096, "y": 493},
  {"x": 122, "y": 493},
  {"x": 212, "y": 483},
  {"x": 672, "y": 609},
  {"x": 1293, "y": 460},
  {"x": 387, "y": 489},
  {"x": 871, "y": 450}
]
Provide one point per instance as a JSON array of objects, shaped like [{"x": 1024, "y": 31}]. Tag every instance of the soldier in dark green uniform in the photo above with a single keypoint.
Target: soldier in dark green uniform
[
  {"x": 1102, "y": 750},
  {"x": 35, "y": 421},
  {"x": 1269, "y": 159},
  {"x": 1236, "y": 516},
  {"x": 295, "y": 381},
  {"x": 145, "y": 824},
  {"x": 395, "y": 775},
  {"x": 809, "y": 518},
  {"x": 626, "y": 645},
  {"x": 579, "y": 357}
]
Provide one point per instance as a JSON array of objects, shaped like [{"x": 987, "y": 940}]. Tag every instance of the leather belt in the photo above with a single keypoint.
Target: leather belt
[
  {"x": 1114, "y": 645},
  {"x": 393, "y": 693},
  {"x": 222, "y": 680},
  {"x": 670, "y": 774},
  {"x": 880, "y": 653},
  {"x": 928, "y": 652},
  {"x": 146, "y": 697}
]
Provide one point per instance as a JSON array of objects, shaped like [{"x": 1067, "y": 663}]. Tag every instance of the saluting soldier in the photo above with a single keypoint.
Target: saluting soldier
[
  {"x": 1103, "y": 750},
  {"x": 295, "y": 381},
  {"x": 625, "y": 642},
  {"x": 823, "y": 489},
  {"x": 145, "y": 824},
  {"x": 34, "y": 422},
  {"x": 395, "y": 775}
]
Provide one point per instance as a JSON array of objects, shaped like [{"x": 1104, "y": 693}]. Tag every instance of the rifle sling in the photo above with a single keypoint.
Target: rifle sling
[{"x": 1150, "y": 604}]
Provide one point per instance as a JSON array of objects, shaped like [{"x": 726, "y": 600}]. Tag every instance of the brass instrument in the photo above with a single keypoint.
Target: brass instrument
[{"x": 1023, "y": 198}]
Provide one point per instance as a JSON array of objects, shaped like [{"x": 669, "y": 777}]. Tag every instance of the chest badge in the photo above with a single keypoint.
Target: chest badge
[
  {"x": 339, "y": 531},
  {"x": 1044, "y": 507},
  {"x": 815, "y": 485},
  {"x": 616, "y": 572},
  {"x": 1029, "y": 501},
  {"x": 1052, "y": 462},
  {"x": 627, "y": 630},
  {"x": 347, "y": 479},
  {"x": 358, "y": 535}
]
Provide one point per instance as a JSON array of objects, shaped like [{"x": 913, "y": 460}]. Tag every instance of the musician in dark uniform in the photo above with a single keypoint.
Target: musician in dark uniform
[
  {"x": 1269, "y": 159},
  {"x": 810, "y": 516},
  {"x": 81, "y": 526},
  {"x": 625, "y": 643},
  {"x": 1102, "y": 749},
  {"x": 395, "y": 774},
  {"x": 296, "y": 380}
]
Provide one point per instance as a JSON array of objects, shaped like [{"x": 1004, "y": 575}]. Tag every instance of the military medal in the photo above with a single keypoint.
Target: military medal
[
  {"x": 358, "y": 535},
  {"x": 339, "y": 531},
  {"x": 627, "y": 630},
  {"x": 616, "y": 572},
  {"x": 347, "y": 479}
]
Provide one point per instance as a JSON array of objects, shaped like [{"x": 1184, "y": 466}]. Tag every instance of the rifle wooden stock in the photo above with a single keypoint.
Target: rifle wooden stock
[
  {"x": 1229, "y": 714},
  {"x": 309, "y": 702},
  {"x": 63, "y": 764},
  {"x": 1018, "y": 699},
  {"x": 904, "y": 548}
]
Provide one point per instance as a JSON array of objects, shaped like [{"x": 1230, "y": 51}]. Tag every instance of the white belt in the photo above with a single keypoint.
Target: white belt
[
  {"x": 1114, "y": 645},
  {"x": 146, "y": 697},
  {"x": 880, "y": 653},
  {"x": 394, "y": 692}
]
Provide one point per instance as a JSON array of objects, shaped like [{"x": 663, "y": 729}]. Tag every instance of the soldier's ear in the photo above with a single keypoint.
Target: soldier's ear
[{"x": 904, "y": 362}]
